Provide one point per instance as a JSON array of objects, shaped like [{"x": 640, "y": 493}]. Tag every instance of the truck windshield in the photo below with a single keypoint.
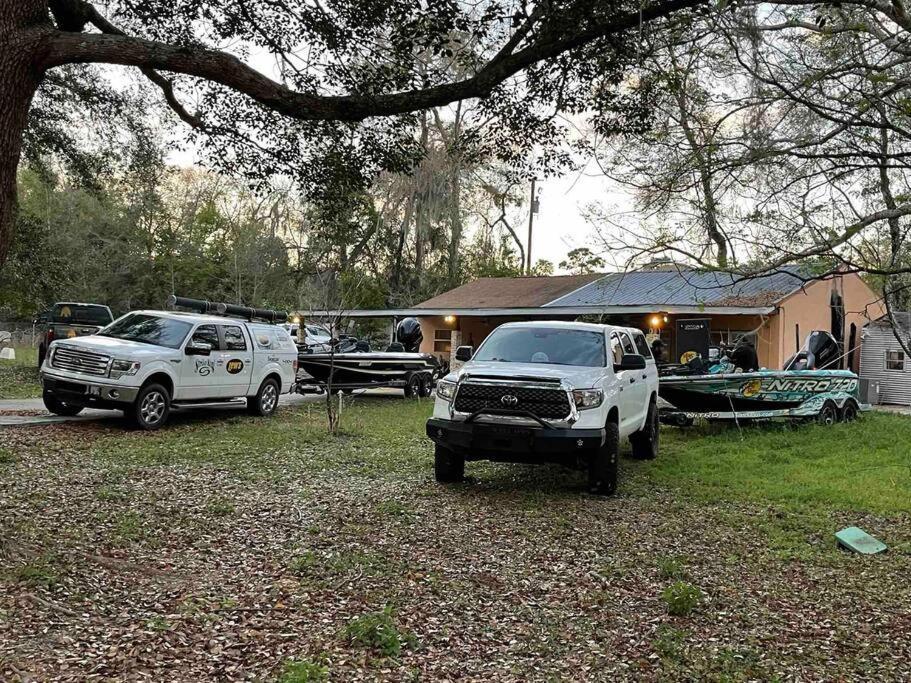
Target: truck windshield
[
  {"x": 544, "y": 345},
  {"x": 149, "y": 329},
  {"x": 77, "y": 314}
]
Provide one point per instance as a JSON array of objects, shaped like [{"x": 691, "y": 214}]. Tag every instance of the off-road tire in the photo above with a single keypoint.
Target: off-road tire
[
  {"x": 265, "y": 403},
  {"x": 848, "y": 411},
  {"x": 426, "y": 386},
  {"x": 448, "y": 466},
  {"x": 645, "y": 441},
  {"x": 42, "y": 354},
  {"x": 58, "y": 407},
  {"x": 151, "y": 408},
  {"x": 828, "y": 414},
  {"x": 602, "y": 463}
]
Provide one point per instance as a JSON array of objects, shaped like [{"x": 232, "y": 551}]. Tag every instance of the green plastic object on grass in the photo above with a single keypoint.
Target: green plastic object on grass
[{"x": 859, "y": 541}]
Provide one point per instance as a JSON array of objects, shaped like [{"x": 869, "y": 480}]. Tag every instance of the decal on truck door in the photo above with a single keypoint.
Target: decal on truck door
[
  {"x": 235, "y": 365},
  {"x": 204, "y": 367}
]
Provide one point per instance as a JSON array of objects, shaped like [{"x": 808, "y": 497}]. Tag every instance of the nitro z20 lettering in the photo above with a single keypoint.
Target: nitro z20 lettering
[{"x": 846, "y": 384}]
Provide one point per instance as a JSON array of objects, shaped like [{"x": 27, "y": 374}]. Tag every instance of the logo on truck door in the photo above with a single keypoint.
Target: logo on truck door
[{"x": 235, "y": 365}]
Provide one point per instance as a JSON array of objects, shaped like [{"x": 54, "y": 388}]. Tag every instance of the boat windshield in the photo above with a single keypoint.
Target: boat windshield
[
  {"x": 549, "y": 345},
  {"x": 148, "y": 329}
]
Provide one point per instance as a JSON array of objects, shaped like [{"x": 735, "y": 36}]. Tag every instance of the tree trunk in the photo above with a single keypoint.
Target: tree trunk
[{"x": 22, "y": 25}]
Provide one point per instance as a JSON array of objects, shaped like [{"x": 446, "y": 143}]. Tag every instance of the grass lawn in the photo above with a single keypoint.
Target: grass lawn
[
  {"x": 19, "y": 378},
  {"x": 234, "y": 548}
]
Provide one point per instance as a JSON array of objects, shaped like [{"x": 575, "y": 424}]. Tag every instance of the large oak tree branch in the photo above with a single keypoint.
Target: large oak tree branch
[{"x": 228, "y": 70}]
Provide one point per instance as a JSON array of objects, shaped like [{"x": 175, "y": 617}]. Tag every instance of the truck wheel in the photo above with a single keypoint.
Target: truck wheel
[
  {"x": 645, "y": 441},
  {"x": 265, "y": 402},
  {"x": 849, "y": 411},
  {"x": 426, "y": 386},
  {"x": 828, "y": 415},
  {"x": 151, "y": 408},
  {"x": 58, "y": 407},
  {"x": 448, "y": 466},
  {"x": 602, "y": 463},
  {"x": 42, "y": 354}
]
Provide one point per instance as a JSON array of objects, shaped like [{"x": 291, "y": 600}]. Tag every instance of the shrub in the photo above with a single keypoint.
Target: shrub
[
  {"x": 671, "y": 568},
  {"x": 377, "y": 631},
  {"x": 303, "y": 671},
  {"x": 681, "y": 598}
]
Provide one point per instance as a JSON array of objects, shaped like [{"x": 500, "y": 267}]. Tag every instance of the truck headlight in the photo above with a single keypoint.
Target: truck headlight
[
  {"x": 587, "y": 398},
  {"x": 119, "y": 368},
  {"x": 446, "y": 390}
]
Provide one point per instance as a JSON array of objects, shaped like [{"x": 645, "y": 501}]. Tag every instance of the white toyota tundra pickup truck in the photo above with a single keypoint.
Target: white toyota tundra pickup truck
[
  {"x": 560, "y": 392},
  {"x": 148, "y": 361}
]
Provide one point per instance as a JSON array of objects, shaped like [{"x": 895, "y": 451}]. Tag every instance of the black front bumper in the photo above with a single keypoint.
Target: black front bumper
[{"x": 513, "y": 443}]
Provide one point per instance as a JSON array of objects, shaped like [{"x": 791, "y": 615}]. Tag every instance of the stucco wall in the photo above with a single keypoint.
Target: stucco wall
[{"x": 809, "y": 308}]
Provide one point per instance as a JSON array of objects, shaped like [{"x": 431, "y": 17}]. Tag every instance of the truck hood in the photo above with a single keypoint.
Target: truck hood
[
  {"x": 118, "y": 348},
  {"x": 578, "y": 377}
]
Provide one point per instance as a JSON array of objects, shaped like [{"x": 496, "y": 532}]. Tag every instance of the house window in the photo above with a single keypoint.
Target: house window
[
  {"x": 442, "y": 341},
  {"x": 895, "y": 360}
]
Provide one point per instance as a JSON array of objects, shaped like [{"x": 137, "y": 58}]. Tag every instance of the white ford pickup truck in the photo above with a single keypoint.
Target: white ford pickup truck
[
  {"x": 561, "y": 392},
  {"x": 147, "y": 361}
]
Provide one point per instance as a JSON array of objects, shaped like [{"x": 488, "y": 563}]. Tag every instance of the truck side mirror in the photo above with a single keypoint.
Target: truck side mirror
[
  {"x": 464, "y": 353},
  {"x": 631, "y": 361},
  {"x": 198, "y": 348}
]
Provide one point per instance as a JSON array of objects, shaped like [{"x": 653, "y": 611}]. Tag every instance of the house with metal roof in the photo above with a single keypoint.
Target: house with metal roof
[{"x": 775, "y": 310}]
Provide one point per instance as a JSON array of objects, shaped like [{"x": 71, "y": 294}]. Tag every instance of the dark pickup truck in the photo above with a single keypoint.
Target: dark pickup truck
[{"x": 65, "y": 320}]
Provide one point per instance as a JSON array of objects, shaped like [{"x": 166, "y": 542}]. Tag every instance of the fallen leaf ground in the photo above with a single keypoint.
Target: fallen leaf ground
[{"x": 248, "y": 549}]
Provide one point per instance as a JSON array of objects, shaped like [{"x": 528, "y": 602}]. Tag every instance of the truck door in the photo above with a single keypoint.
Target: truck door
[
  {"x": 626, "y": 396},
  {"x": 637, "y": 383},
  {"x": 197, "y": 373},
  {"x": 236, "y": 367}
]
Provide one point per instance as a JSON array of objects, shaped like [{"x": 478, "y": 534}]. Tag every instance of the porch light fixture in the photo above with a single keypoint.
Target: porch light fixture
[
  {"x": 450, "y": 319},
  {"x": 656, "y": 320}
]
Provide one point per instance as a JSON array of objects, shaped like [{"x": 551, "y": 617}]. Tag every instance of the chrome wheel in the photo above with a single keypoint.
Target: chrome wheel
[
  {"x": 152, "y": 407},
  {"x": 269, "y": 399}
]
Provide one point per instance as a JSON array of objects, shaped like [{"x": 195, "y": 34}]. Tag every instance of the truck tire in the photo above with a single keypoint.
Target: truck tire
[
  {"x": 602, "y": 463},
  {"x": 448, "y": 466},
  {"x": 645, "y": 441},
  {"x": 42, "y": 354},
  {"x": 151, "y": 408},
  {"x": 265, "y": 403},
  {"x": 58, "y": 407},
  {"x": 426, "y": 386}
]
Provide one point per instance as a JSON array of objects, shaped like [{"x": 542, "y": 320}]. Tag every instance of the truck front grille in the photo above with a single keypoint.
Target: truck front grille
[
  {"x": 550, "y": 404},
  {"x": 77, "y": 360}
]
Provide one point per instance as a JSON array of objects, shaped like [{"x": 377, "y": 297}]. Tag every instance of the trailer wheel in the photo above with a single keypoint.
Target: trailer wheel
[
  {"x": 58, "y": 407},
  {"x": 849, "y": 411},
  {"x": 602, "y": 463},
  {"x": 413, "y": 386},
  {"x": 448, "y": 466},
  {"x": 828, "y": 415}
]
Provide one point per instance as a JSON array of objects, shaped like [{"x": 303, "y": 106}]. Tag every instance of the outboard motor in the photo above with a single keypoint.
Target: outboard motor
[
  {"x": 819, "y": 351},
  {"x": 408, "y": 334}
]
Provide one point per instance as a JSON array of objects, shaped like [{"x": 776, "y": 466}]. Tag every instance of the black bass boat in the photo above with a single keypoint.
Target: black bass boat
[
  {"x": 352, "y": 365},
  {"x": 810, "y": 386}
]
